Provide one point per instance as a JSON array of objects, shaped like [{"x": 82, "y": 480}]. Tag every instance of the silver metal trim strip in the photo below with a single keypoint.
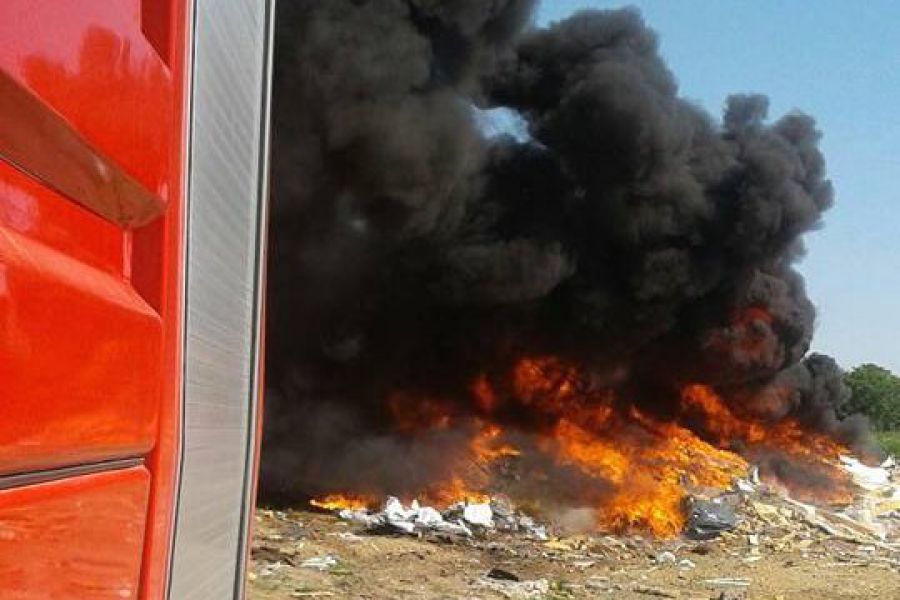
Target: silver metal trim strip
[
  {"x": 17, "y": 480},
  {"x": 252, "y": 459},
  {"x": 225, "y": 228},
  {"x": 187, "y": 119}
]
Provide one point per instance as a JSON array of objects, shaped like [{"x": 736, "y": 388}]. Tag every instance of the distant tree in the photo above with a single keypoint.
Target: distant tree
[{"x": 876, "y": 393}]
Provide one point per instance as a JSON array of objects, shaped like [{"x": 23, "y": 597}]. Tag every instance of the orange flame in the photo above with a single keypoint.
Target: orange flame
[
  {"x": 644, "y": 466},
  {"x": 342, "y": 501},
  {"x": 817, "y": 452}
]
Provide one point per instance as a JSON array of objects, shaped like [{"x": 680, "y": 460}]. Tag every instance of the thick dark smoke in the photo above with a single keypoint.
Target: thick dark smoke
[{"x": 631, "y": 233}]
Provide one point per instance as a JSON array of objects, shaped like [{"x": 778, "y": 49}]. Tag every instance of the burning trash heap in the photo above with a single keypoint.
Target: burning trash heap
[
  {"x": 593, "y": 319},
  {"x": 748, "y": 541},
  {"x": 461, "y": 519}
]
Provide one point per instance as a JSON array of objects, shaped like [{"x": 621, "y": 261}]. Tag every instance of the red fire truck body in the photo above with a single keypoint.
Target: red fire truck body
[{"x": 133, "y": 161}]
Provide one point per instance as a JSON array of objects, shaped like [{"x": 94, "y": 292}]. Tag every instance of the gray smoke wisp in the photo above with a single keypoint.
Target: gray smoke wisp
[{"x": 631, "y": 233}]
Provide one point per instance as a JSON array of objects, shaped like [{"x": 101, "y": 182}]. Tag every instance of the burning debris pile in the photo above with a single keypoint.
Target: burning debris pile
[
  {"x": 750, "y": 541},
  {"x": 594, "y": 318},
  {"x": 460, "y": 519},
  {"x": 872, "y": 515}
]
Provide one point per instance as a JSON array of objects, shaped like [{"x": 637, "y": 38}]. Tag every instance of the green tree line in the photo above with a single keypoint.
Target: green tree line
[{"x": 876, "y": 393}]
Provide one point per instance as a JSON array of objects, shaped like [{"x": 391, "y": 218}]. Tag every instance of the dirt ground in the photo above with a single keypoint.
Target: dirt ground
[{"x": 362, "y": 565}]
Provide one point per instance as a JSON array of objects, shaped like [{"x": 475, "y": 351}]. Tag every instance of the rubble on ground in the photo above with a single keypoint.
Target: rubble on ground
[
  {"x": 460, "y": 519},
  {"x": 752, "y": 528},
  {"x": 873, "y": 518},
  {"x": 750, "y": 506},
  {"x": 709, "y": 518}
]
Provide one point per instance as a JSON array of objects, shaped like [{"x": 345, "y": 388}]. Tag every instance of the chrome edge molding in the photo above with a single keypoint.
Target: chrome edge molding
[
  {"x": 39, "y": 142},
  {"x": 253, "y": 447},
  {"x": 225, "y": 241},
  {"x": 15, "y": 480}
]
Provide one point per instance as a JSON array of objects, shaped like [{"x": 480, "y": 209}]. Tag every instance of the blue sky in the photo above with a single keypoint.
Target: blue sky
[{"x": 840, "y": 62}]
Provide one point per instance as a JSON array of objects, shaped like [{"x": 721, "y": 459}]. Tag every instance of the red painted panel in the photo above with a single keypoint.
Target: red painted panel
[
  {"x": 90, "y": 60},
  {"x": 80, "y": 360},
  {"x": 157, "y": 274},
  {"x": 29, "y": 208},
  {"x": 90, "y": 315},
  {"x": 79, "y": 538}
]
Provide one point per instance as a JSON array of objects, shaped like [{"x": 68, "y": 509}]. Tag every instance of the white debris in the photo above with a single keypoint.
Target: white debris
[
  {"x": 479, "y": 514},
  {"x": 686, "y": 564},
  {"x": 808, "y": 511},
  {"x": 754, "y": 475},
  {"x": 868, "y": 478},
  {"x": 860, "y": 521},
  {"x": 395, "y": 510},
  {"x": 583, "y": 564},
  {"x": 728, "y": 581},
  {"x": 320, "y": 563},
  {"x": 537, "y": 588},
  {"x": 665, "y": 558},
  {"x": 271, "y": 569},
  {"x": 428, "y": 517},
  {"x": 404, "y": 526},
  {"x": 535, "y": 531},
  {"x": 411, "y": 520},
  {"x": 538, "y": 532},
  {"x": 457, "y": 519},
  {"x": 400, "y": 517},
  {"x": 744, "y": 485},
  {"x": 454, "y": 527},
  {"x": 361, "y": 516},
  {"x": 347, "y": 536}
]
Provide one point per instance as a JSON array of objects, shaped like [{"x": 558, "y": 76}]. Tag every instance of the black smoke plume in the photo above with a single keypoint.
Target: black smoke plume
[{"x": 630, "y": 233}]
